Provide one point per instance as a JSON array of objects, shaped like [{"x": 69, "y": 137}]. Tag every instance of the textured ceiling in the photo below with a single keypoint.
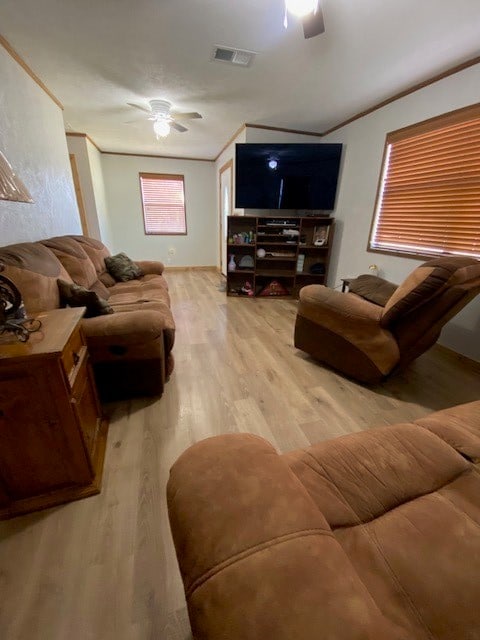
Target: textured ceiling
[{"x": 97, "y": 55}]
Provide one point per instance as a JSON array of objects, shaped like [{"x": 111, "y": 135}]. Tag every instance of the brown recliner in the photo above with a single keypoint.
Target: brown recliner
[
  {"x": 371, "y": 536},
  {"x": 367, "y": 341}
]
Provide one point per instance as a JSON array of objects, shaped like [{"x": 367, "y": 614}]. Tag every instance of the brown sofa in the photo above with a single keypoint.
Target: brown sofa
[
  {"x": 369, "y": 339},
  {"x": 131, "y": 348},
  {"x": 371, "y": 536}
]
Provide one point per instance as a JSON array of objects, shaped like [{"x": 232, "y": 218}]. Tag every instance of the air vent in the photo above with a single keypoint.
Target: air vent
[{"x": 238, "y": 57}]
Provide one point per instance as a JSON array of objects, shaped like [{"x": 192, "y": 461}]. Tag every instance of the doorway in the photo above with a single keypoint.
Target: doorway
[{"x": 225, "y": 208}]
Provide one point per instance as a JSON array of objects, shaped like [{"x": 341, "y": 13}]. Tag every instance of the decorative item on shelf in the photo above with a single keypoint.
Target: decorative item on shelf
[
  {"x": 246, "y": 262},
  {"x": 247, "y": 289},
  {"x": 13, "y": 318},
  {"x": 273, "y": 288},
  {"x": 318, "y": 269},
  {"x": 320, "y": 236},
  {"x": 232, "y": 265},
  {"x": 300, "y": 262},
  {"x": 244, "y": 237},
  {"x": 261, "y": 253}
]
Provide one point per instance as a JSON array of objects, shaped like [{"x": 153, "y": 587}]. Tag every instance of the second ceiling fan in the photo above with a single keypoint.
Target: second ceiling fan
[{"x": 311, "y": 14}]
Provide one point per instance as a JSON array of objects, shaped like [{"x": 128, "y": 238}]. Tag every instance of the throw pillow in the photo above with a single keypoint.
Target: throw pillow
[
  {"x": 73, "y": 295},
  {"x": 122, "y": 268}
]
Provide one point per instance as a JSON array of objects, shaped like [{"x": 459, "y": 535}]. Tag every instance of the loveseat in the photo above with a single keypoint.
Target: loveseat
[
  {"x": 370, "y": 536},
  {"x": 130, "y": 349}
]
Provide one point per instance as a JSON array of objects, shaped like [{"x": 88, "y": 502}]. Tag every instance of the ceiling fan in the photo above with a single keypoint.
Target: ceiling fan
[
  {"x": 311, "y": 14},
  {"x": 164, "y": 119}
]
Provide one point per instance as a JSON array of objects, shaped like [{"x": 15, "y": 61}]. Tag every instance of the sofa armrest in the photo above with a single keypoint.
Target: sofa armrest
[
  {"x": 132, "y": 327},
  {"x": 457, "y": 426},
  {"x": 249, "y": 539},
  {"x": 333, "y": 305},
  {"x": 150, "y": 267}
]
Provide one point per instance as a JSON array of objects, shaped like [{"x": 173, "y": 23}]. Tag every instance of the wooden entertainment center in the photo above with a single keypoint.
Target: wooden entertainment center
[{"x": 292, "y": 251}]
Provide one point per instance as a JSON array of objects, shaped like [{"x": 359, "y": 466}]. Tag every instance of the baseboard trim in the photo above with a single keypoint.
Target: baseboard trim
[
  {"x": 212, "y": 268},
  {"x": 459, "y": 356}
]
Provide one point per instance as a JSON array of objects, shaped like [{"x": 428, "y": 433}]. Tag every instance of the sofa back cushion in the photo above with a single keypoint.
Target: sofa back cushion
[
  {"x": 97, "y": 252},
  {"x": 428, "y": 281},
  {"x": 77, "y": 263},
  {"x": 34, "y": 269}
]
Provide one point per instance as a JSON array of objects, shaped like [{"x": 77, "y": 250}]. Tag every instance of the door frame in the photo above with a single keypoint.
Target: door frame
[
  {"x": 79, "y": 195},
  {"x": 228, "y": 165}
]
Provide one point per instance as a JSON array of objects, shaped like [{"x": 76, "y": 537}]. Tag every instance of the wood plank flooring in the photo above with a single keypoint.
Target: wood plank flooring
[{"x": 104, "y": 568}]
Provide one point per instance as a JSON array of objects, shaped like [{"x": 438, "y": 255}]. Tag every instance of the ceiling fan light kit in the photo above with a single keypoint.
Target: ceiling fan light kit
[
  {"x": 161, "y": 128},
  {"x": 309, "y": 12},
  {"x": 301, "y": 8}
]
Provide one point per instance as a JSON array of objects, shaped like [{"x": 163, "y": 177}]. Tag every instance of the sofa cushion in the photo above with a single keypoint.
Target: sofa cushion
[
  {"x": 73, "y": 295},
  {"x": 122, "y": 268},
  {"x": 34, "y": 269},
  {"x": 97, "y": 252},
  {"x": 372, "y": 288},
  {"x": 427, "y": 281},
  {"x": 74, "y": 259}
]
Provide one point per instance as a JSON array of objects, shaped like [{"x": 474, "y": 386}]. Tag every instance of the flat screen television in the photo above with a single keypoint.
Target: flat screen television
[{"x": 287, "y": 176}]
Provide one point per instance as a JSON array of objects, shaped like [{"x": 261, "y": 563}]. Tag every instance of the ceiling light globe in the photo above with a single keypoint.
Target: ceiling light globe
[
  {"x": 301, "y": 7},
  {"x": 161, "y": 128}
]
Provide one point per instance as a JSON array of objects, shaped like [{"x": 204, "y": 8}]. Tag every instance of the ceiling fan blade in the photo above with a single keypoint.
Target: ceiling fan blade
[
  {"x": 137, "y": 106},
  {"x": 192, "y": 115},
  {"x": 313, "y": 24},
  {"x": 178, "y": 127}
]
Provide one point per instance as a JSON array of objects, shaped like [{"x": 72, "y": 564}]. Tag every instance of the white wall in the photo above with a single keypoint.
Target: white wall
[
  {"x": 32, "y": 137},
  {"x": 123, "y": 203},
  {"x": 364, "y": 142}
]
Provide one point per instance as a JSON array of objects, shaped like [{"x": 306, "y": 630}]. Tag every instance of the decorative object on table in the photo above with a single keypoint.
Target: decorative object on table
[
  {"x": 373, "y": 268},
  {"x": 11, "y": 187},
  {"x": 246, "y": 262},
  {"x": 13, "y": 317},
  {"x": 320, "y": 236},
  {"x": 231, "y": 263},
  {"x": 300, "y": 262},
  {"x": 273, "y": 288},
  {"x": 122, "y": 268},
  {"x": 261, "y": 253}
]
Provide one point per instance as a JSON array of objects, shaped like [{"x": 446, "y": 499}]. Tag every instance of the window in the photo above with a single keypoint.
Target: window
[
  {"x": 163, "y": 200},
  {"x": 428, "y": 201}
]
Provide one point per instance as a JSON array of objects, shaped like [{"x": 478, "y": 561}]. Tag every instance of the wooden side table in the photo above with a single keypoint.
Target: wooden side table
[{"x": 52, "y": 432}]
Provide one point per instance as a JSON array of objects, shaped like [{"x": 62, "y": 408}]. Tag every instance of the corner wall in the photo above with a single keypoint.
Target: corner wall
[
  {"x": 364, "y": 142},
  {"x": 32, "y": 138}
]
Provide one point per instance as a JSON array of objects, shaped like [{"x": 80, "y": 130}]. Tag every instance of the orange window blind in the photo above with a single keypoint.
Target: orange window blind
[
  {"x": 428, "y": 200},
  {"x": 163, "y": 199}
]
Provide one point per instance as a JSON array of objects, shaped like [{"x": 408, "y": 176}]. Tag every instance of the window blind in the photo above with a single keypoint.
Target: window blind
[
  {"x": 163, "y": 198},
  {"x": 428, "y": 200}
]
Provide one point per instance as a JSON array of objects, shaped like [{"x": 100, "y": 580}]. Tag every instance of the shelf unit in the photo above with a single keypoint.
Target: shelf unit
[{"x": 292, "y": 246}]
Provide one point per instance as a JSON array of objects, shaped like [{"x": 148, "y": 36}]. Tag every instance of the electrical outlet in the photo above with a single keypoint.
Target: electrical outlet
[{"x": 172, "y": 251}]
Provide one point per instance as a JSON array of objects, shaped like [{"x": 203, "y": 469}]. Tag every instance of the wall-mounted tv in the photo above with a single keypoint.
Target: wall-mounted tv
[{"x": 287, "y": 176}]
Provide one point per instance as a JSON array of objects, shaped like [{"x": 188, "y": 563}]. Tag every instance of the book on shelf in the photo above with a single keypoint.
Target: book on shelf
[{"x": 300, "y": 262}]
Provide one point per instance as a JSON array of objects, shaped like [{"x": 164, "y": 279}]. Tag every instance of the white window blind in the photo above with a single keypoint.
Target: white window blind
[
  {"x": 163, "y": 199},
  {"x": 428, "y": 200}
]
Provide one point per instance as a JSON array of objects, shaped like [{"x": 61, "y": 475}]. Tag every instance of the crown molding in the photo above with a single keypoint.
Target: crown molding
[{"x": 17, "y": 57}]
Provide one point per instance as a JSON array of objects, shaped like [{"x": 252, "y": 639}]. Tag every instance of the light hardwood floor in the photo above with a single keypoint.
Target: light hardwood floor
[{"x": 104, "y": 568}]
